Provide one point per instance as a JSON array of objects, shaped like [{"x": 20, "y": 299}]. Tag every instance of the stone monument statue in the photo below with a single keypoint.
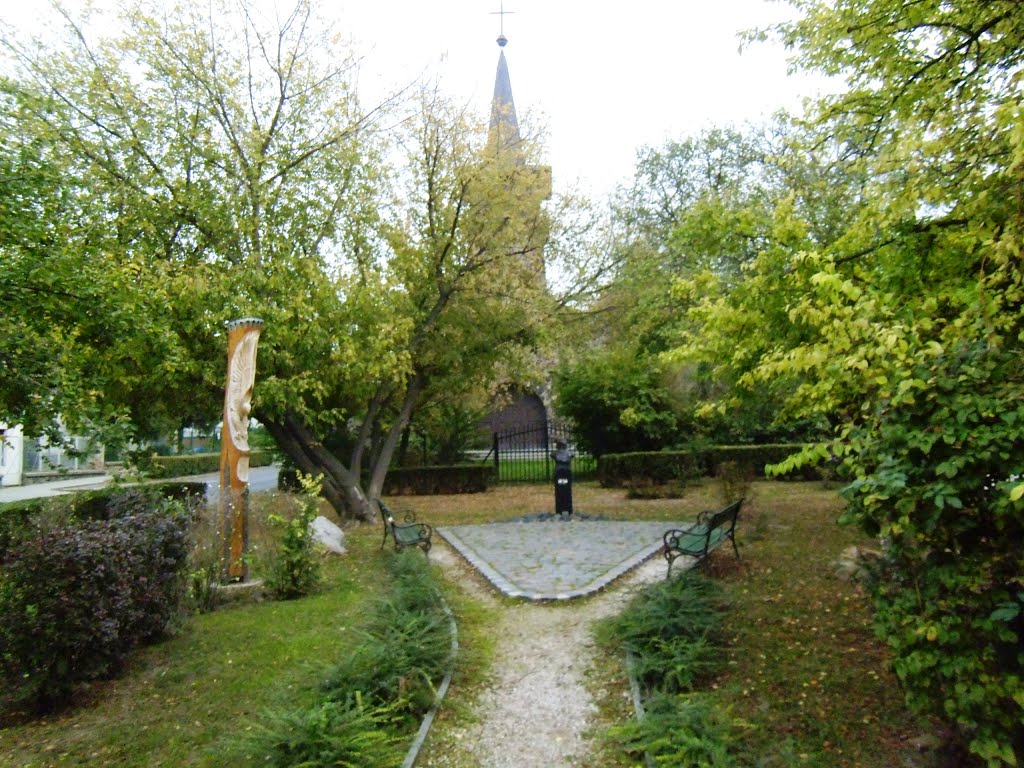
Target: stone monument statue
[{"x": 243, "y": 336}]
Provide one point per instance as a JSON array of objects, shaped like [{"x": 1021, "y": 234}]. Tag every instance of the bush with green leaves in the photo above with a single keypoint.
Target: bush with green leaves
[
  {"x": 620, "y": 402},
  {"x": 295, "y": 567},
  {"x": 933, "y": 480},
  {"x": 78, "y": 597}
]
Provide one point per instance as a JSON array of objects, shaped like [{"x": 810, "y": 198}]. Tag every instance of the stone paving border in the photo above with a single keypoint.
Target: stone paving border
[{"x": 494, "y": 541}]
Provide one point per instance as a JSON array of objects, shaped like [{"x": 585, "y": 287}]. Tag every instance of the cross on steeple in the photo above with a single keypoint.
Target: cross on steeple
[{"x": 501, "y": 14}]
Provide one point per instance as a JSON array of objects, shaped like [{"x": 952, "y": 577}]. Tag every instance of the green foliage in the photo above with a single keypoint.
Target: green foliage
[
  {"x": 295, "y": 568},
  {"x": 464, "y": 478},
  {"x": 333, "y": 733},
  {"x": 674, "y": 631},
  {"x": 407, "y": 646},
  {"x": 372, "y": 700},
  {"x": 619, "y": 402},
  {"x": 78, "y": 597},
  {"x": 682, "y": 731},
  {"x": 196, "y": 463},
  {"x": 616, "y": 470},
  {"x": 906, "y": 333}
]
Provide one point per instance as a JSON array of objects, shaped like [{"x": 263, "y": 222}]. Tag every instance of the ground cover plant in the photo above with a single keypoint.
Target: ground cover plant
[
  {"x": 372, "y": 701},
  {"x": 672, "y": 633}
]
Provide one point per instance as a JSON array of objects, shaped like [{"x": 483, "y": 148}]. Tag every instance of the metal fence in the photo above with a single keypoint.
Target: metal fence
[{"x": 523, "y": 454}]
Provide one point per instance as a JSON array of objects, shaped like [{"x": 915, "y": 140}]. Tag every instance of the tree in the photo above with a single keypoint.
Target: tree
[
  {"x": 698, "y": 214},
  {"x": 906, "y": 332},
  {"x": 237, "y": 174},
  {"x": 72, "y": 320}
]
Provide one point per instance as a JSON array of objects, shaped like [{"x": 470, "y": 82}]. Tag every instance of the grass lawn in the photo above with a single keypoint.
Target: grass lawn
[
  {"x": 804, "y": 671},
  {"x": 186, "y": 700}
]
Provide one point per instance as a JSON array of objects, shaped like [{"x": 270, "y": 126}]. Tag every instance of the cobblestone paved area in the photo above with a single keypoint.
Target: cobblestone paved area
[{"x": 556, "y": 560}]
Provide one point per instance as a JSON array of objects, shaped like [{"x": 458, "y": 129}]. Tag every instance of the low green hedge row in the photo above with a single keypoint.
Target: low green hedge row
[
  {"x": 196, "y": 463},
  {"x": 615, "y": 470},
  {"x": 426, "y": 481},
  {"x": 418, "y": 481},
  {"x": 76, "y": 595}
]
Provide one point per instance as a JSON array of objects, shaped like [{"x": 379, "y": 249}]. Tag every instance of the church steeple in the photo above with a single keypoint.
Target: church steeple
[{"x": 504, "y": 132}]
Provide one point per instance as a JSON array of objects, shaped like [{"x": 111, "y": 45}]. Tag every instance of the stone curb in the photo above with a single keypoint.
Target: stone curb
[{"x": 442, "y": 690}]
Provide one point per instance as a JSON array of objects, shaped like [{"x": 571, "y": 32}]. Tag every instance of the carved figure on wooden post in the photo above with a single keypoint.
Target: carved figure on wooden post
[{"x": 243, "y": 336}]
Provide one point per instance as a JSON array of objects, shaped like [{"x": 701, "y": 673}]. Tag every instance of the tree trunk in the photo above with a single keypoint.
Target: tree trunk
[
  {"x": 341, "y": 487},
  {"x": 382, "y": 458}
]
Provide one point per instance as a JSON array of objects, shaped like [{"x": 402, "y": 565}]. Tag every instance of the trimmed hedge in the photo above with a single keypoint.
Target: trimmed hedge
[
  {"x": 78, "y": 595},
  {"x": 186, "y": 464},
  {"x": 615, "y": 470},
  {"x": 418, "y": 481},
  {"x": 426, "y": 481}
]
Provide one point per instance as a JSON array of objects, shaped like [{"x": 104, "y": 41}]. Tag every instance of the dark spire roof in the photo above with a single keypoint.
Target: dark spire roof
[{"x": 504, "y": 125}]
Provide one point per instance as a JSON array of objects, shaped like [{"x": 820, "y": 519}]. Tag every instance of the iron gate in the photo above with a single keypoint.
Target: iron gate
[{"x": 523, "y": 454}]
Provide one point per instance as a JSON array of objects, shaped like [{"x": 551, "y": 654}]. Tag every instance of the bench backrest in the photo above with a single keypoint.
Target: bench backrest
[{"x": 725, "y": 517}]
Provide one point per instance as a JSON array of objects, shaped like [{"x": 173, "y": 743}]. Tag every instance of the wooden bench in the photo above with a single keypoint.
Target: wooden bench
[
  {"x": 407, "y": 534},
  {"x": 712, "y": 529}
]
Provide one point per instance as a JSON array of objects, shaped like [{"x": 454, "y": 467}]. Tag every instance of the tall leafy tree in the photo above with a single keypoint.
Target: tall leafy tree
[
  {"x": 906, "y": 331},
  {"x": 230, "y": 164}
]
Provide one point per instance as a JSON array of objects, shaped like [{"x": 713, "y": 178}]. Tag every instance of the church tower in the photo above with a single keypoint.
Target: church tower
[
  {"x": 504, "y": 132},
  {"x": 522, "y": 409}
]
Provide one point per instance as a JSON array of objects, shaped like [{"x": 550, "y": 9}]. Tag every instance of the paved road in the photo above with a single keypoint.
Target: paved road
[{"x": 260, "y": 479}]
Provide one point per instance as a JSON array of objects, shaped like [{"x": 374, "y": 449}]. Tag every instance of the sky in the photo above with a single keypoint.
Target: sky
[{"x": 602, "y": 80}]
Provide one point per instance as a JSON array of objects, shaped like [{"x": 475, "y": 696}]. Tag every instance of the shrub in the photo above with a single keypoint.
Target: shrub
[
  {"x": 196, "y": 463},
  {"x": 22, "y": 518},
  {"x": 295, "y": 568},
  {"x": 620, "y": 402},
  {"x": 423, "y": 481},
  {"x": 76, "y": 599},
  {"x": 683, "y": 466},
  {"x": 637, "y": 469}
]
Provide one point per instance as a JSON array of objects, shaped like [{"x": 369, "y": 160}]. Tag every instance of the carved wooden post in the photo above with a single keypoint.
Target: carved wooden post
[{"x": 234, "y": 446}]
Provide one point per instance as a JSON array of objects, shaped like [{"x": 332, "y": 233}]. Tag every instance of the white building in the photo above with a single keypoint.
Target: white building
[{"x": 12, "y": 455}]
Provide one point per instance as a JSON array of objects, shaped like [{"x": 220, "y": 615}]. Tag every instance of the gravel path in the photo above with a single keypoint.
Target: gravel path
[{"x": 535, "y": 711}]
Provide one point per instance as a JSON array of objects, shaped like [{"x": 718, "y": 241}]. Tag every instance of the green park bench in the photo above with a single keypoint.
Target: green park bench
[
  {"x": 407, "y": 534},
  {"x": 711, "y": 529}
]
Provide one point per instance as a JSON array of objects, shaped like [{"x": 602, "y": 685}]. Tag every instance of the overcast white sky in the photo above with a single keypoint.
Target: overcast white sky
[{"x": 604, "y": 79}]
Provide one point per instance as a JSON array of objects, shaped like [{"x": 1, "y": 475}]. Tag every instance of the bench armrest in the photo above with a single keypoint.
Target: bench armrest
[{"x": 672, "y": 537}]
